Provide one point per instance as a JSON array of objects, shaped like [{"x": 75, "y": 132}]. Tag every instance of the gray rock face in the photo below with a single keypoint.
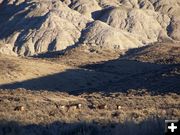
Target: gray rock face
[
  {"x": 135, "y": 21},
  {"x": 6, "y": 49},
  {"x": 174, "y": 28},
  {"x": 85, "y": 7},
  {"x": 169, "y": 8},
  {"x": 37, "y": 26},
  {"x": 42, "y": 26},
  {"x": 104, "y": 36}
]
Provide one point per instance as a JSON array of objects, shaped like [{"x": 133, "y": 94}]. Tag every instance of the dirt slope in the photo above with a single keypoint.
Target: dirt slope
[{"x": 18, "y": 69}]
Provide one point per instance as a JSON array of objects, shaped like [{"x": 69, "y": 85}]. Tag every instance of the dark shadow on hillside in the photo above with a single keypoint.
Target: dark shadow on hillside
[
  {"x": 111, "y": 76},
  {"x": 140, "y": 75},
  {"x": 96, "y": 15},
  {"x": 54, "y": 54},
  {"x": 7, "y": 10},
  {"x": 15, "y": 20},
  {"x": 150, "y": 52},
  {"x": 148, "y": 127},
  {"x": 136, "y": 51}
]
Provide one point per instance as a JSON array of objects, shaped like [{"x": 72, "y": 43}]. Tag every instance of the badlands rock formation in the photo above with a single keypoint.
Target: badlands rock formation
[
  {"x": 38, "y": 26},
  {"x": 100, "y": 34},
  {"x": 85, "y": 7},
  {"x": 6, "y": 49},
  {"x": 146, "y": 24}
]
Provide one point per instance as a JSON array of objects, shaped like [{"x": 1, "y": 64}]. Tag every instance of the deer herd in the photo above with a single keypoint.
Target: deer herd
[
  {"x": 74, "y": 107},
  {"x": 92, "y": 106}
]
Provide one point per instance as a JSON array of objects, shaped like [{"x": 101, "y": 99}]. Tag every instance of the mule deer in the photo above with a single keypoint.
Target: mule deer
[
  {"x": 119, "y": 107},
  {"x": 62, "y": 107},
  {"x": 19, "y": 108},
  {"x": 74, "y": 106},
  {"x": 102, "y": 106}
]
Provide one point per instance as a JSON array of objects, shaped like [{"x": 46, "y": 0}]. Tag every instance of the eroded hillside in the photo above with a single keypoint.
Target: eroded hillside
[{"x": 38, "y": 26}]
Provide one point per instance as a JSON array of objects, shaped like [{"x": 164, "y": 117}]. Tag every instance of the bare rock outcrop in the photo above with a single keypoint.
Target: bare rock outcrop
[
  {"x": 7, "y": 49},
  {"x": 53, "y": 34},
  {"x": 169, "y": 8},
  {"x": 147, "y": 24},
  {"x": 174, "y": 28},
  {"x": 85, "y": 7},
  {"x": 104, "y": 36},
  {"x": 41, "y": 26}
]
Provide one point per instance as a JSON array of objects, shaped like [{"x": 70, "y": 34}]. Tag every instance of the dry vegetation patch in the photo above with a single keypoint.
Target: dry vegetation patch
[
  {"x": 46, "y": 107},
  {"x": 43, "y": 112},
  {"x": 162, "y": 53}
]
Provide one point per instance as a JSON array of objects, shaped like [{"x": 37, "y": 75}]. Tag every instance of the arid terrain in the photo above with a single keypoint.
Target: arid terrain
[
  {"x": 89, "y": 67},
  {"x": 134, "y": 112}
]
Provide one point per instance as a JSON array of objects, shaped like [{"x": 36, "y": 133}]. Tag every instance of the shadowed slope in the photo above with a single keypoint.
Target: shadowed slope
[
  {"x": 149, "y": 127},
  {"x": 114, "y": 75}
]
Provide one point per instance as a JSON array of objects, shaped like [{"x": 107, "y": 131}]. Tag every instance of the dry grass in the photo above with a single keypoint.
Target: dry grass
[
  {"x": 162, "y": 53},
  {"x": 8, "y": 65},
  {"x": 13, "y": 69},
  {"x": 45, "y": 107},
  {"x": 83, "y": 55},
  {"x": 140, "y": 113}
]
